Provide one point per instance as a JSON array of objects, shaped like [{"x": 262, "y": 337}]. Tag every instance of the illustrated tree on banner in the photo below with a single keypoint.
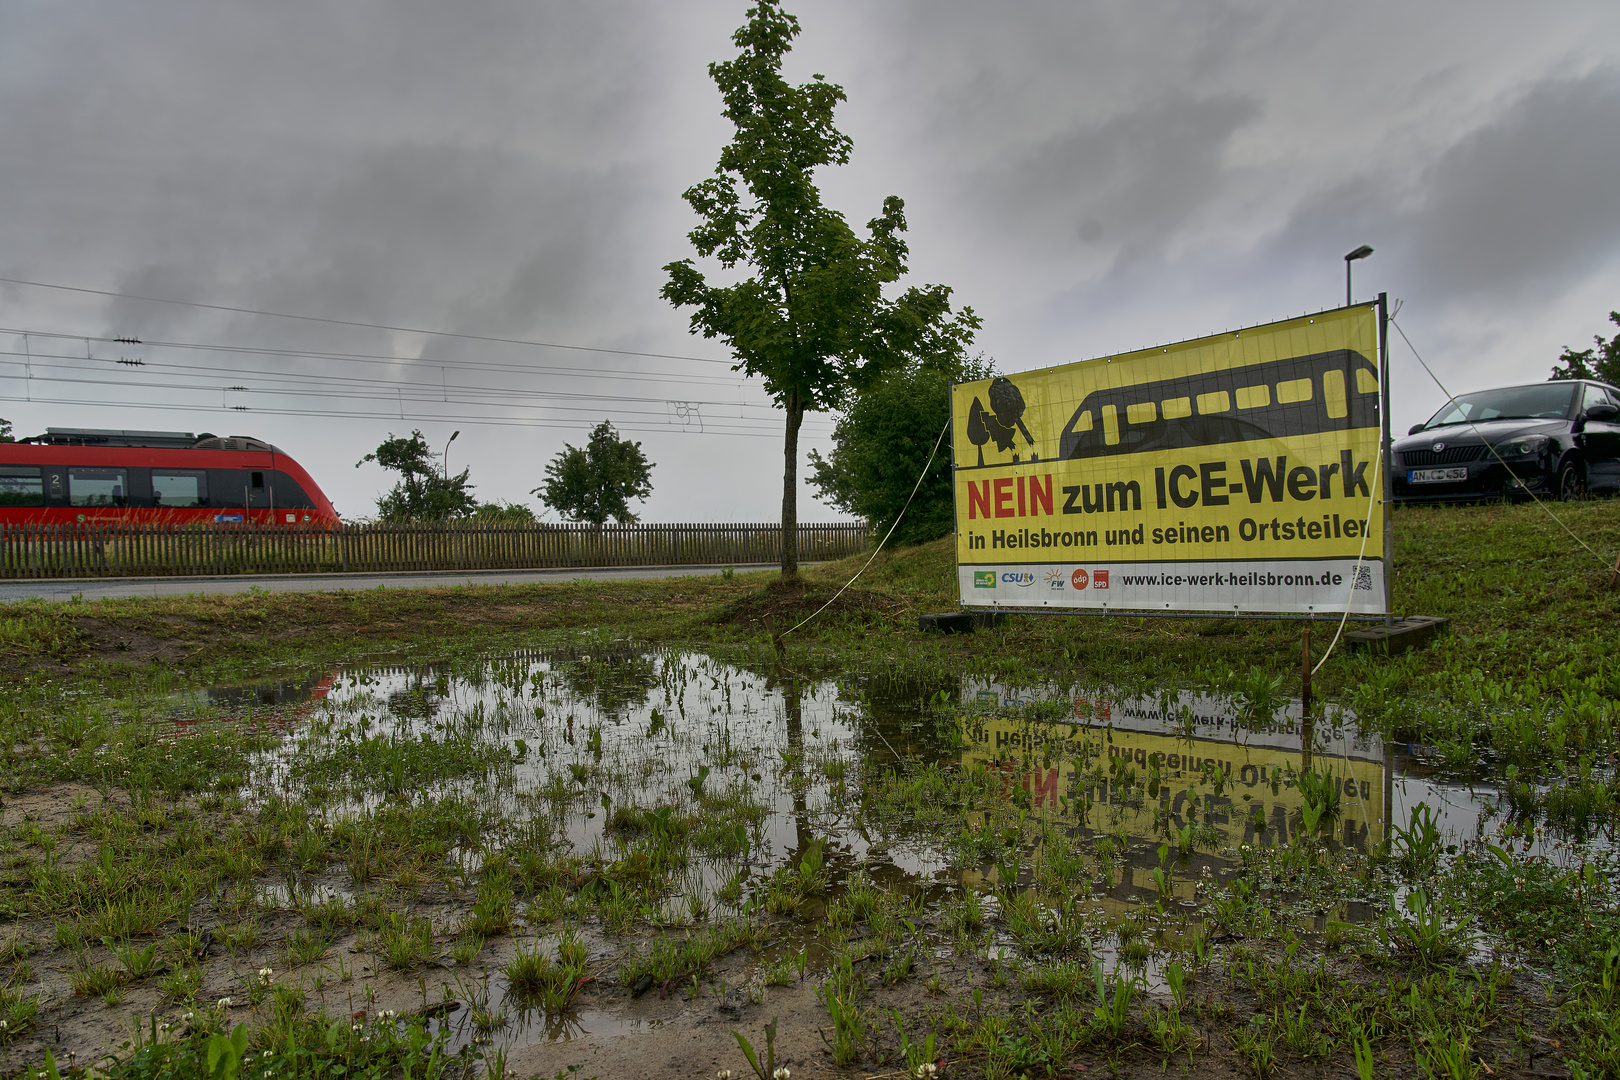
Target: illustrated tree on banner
[{"x": 810, "y": 319}]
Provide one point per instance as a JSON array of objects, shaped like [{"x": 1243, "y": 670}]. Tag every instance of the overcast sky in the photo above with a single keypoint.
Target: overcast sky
[{"x": 1091, "y": 178}]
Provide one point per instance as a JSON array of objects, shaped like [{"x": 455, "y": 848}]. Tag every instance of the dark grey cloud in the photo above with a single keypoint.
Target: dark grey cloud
[
  {"x": 1526, "y": 203},
  {"x": 1129, "y": 183}
]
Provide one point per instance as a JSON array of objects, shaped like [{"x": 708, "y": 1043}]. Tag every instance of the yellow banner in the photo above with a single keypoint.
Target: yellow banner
[{"x": 1231, "y": 473}]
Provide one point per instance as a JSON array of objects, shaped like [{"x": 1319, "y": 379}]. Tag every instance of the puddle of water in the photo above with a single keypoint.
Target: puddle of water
[{"x": 549, "y": 744}]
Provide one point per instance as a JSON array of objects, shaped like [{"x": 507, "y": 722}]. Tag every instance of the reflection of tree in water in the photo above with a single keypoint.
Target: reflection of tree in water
[
  {"x": 905, "y": 713},
  {"x": 613, "y": 676},
  {"x": 793, "y": 709},
  {"x": 418, "y": 700}
]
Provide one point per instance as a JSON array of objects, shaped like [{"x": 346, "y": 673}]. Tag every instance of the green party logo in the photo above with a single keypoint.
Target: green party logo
[{"x": 984, "y": 579}]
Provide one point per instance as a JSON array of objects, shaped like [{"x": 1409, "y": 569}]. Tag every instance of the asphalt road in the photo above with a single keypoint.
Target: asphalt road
[{"x": 99, "y": 588}]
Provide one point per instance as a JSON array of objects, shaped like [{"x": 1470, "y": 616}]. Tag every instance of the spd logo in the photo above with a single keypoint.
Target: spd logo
[
  {"x": 984, "y": 579},
  {"x": 1099, "y": 580},
  {"x": 1054, "y": 579},
  {"x": 1078, "y": 579},
  {"x": 1022, "y": 580}
]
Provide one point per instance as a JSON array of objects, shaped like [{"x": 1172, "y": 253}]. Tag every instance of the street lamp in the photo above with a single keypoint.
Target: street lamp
[
  {"x": 452, "y": 438},
  {"x": 1360, "y": 253}
]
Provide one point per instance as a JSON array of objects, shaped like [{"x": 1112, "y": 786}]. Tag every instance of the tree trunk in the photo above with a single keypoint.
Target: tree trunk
[{"x": 790, "y": 487}]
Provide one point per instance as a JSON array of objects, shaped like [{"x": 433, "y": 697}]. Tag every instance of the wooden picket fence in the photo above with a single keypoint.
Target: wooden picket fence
[{"x": 142, "y": 550}]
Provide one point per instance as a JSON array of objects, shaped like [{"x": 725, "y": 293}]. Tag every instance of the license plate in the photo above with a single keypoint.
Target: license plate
[{"x": 1436, "y": 476}]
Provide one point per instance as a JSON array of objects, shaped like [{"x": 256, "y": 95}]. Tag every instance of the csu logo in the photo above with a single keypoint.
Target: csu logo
[
  {"x": 984, "y": 579},
  {"x": 1023, "y": 580},
  {"x": 1078, "y": 579}
]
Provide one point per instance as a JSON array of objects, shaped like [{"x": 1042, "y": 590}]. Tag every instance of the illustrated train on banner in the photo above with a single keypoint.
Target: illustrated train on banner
[{"x": 1234, "y": 473}]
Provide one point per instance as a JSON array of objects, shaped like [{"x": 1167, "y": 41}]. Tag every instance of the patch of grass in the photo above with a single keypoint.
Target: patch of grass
[
  {"x": 537, "y": 980},
  {"x": 677, "y": 958},
  {"x": 406, "y": 943}
]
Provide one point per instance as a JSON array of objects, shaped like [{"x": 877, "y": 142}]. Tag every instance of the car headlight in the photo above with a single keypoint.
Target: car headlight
[{"x": 1525, "y": 446}]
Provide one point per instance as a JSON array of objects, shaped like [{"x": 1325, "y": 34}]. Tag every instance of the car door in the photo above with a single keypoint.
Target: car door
[{"x": 1600, "y": 439}]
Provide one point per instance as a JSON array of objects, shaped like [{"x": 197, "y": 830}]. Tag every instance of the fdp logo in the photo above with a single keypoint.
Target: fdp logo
[
  {"x": 1022, "y": 580},
  {"x": 1078, "y": 579},
  {"x": 1054, "y": 579},
  {"x": 984, "y": 579}
]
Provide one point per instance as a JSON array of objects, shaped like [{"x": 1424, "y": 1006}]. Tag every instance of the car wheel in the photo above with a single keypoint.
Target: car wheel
[{"x": 1571, "y": 484}]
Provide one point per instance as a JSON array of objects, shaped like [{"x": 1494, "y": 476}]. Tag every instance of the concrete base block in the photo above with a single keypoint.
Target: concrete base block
[{"x": 1398, "y": 636}]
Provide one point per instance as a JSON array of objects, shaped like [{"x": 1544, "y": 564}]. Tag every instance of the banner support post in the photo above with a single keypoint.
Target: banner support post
[{"x": 1389, "y": 455}]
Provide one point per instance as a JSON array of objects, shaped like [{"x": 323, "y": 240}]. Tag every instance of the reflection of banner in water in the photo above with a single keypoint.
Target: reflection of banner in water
[{"x": 1064, "y": 767}]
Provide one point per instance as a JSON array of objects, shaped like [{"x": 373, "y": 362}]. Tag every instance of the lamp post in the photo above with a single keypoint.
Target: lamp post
[
  {"x": 1360, "y": 253},
  {"x": 451, "y": 439}
]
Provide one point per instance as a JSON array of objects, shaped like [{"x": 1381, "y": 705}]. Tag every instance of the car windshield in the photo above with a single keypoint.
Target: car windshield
[{"x": 1542, "y": 401}]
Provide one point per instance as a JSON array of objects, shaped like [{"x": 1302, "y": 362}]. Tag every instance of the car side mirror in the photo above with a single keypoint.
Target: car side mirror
[
  {"x": 1414, "y": 429},
  {"x": 1601, "y": 411}
]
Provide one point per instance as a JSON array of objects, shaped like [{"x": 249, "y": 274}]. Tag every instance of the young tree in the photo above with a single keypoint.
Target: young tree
[
  {"x": 5, "y": 430},
  {"x": 597, "y": 482},
  {"x": 1601, "y": 362},
  {"x": 425, "y": 492},
  {"x": 811, "y": 319},
  {"x": 881, "y": 445}
]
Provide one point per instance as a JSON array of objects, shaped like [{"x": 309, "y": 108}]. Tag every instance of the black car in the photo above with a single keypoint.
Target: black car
[{"x": 1554, "y": 439}]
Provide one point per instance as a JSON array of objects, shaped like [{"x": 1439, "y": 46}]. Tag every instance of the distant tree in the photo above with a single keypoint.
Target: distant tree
[
  {"x": 499, "y": 513},
  {"x": 597, "y": 482},
  {"x": 5, "y": 430},
  {"x": 425, "y": 492},
  {"x": 812, "y": 320},
  {"x": 881, "y": 444},
  {"x": 1601, "y": 362}
]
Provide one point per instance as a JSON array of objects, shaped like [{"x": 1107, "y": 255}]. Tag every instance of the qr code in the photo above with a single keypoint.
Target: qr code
[{"x": 1364, "y": 578}]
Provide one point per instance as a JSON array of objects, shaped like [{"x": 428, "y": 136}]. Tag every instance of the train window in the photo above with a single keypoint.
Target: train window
[
  {"x": 1176, "y": 408},
  {"x": 1338, "y": 406},
  {"x": 21, "y": 485},
  {"x": 1293, "y": 390},
  {"x": 1218, "y": 402},
  {"x": 1366, "y": 381},
  {"x": 1142, "y": 412},
  {"x": 258, "y": 481},
  {"x": 1253, "y": 397},
  {"x": 98, "y": 487},
  {"x": 179, "y": 488},
  {"x": 288, "y": 494}
]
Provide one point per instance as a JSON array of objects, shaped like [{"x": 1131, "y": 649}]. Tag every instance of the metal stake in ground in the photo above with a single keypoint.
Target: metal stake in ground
[{"x": 1305, "y": 668}]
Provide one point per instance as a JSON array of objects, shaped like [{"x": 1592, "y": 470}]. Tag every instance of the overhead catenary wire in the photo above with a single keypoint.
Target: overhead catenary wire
[
  {"x": 574, "y": 371},
  {"x": 397, "y": 416},
  {"x": 350, "y": 385}
]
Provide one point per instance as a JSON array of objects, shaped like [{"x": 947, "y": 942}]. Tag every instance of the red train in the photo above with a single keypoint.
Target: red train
[{"x": 72, "y": 475}]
